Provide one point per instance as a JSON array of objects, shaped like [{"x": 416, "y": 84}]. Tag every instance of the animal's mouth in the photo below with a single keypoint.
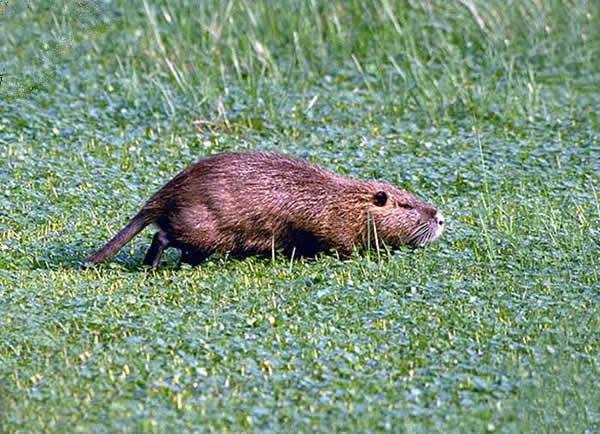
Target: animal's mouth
[{"x": 427, "y": 232}]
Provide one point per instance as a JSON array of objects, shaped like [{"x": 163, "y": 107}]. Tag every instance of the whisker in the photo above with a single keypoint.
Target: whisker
[
  {"x": 417, "y": 234},
  {"x": 422, "y": 234},
  {"x": 418, "y": 230}
]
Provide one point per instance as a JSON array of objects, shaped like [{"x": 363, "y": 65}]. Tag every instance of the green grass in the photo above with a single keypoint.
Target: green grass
[{"x": 487, "y": 109}]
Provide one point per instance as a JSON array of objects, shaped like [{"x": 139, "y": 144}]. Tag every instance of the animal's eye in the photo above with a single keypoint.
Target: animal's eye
[
  {"x": 380, "y": 198},
  {"x": 405, "y": 205}
]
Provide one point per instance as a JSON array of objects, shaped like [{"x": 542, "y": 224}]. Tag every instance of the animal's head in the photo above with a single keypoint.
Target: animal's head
[{"x": 403, "y": 219}]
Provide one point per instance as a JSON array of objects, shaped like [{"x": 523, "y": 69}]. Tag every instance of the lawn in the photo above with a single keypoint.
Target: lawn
[{"x": 488, "y": 109}]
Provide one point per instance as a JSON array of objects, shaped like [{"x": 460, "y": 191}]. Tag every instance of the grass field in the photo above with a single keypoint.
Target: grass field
[{"x": 488, "y": 109}]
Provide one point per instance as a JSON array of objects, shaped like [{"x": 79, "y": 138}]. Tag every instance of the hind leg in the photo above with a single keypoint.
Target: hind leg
[{"x": 159, "y": 243}]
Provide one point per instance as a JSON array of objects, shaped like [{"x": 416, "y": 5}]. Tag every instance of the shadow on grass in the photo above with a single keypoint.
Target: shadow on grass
[{"x": 60, "y": 256}]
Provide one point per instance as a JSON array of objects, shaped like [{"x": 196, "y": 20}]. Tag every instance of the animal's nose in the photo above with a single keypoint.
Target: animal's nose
[{"x": 439, "y": 218}]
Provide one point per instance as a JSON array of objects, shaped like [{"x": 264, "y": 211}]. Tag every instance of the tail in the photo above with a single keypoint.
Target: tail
[{"x": 135, "y": 225}]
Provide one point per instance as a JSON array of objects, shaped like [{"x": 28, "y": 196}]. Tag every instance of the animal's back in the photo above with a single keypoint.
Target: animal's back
[{"x": 246, "y": 202}]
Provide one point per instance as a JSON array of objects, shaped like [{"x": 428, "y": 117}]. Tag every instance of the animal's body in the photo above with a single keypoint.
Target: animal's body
[{"x": 253, "y": 202}]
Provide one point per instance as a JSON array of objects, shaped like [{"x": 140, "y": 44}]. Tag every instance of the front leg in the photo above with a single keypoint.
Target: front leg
[{"x": 191, "y": 257}]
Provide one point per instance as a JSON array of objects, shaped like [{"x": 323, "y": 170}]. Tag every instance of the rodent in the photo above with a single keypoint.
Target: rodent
[{"x": 247, "y": 203}]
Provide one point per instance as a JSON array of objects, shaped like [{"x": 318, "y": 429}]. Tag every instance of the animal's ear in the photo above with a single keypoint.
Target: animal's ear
[{"x": 380, "y": 198}]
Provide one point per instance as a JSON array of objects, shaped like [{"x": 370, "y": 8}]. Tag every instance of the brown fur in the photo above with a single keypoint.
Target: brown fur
[{"x": 249, "y": 203}]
